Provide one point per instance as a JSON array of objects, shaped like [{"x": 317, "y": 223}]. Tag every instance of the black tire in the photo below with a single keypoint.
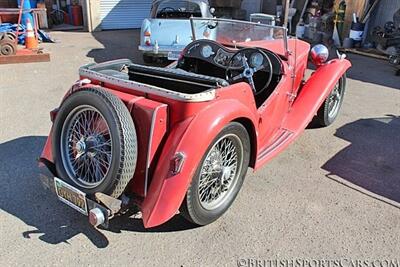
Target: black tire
[
  {"x": 191, "y": 208},
  {"x": 11, "y": 36},
  {"x": 326, "y": 115},
  {"x": 7, "y": 48},
  {"x": 121, "y": 128},
  {"x": 148, "y": 59}
]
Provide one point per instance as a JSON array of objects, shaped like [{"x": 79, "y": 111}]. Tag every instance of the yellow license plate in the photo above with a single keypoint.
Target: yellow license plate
[{"x": 71, "y": 196}]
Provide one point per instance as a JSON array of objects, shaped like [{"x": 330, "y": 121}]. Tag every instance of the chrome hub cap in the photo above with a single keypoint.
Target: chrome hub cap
[
  {"x": 86, "y": 146},
  {"x": 219, "y": 172},
  {"x": 80, "y": 147}
]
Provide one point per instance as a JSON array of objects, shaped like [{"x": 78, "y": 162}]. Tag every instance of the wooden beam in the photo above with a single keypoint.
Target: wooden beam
[
  {"x": 364, "y": 52},
  {"x": 25, "y": 58}
]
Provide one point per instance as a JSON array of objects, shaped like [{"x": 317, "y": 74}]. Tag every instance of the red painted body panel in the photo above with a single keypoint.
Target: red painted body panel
[
  {"x": 166, "y": 126},
  {"x": 47, "y": 153},
  {"x": 314, "y": 92},
  {"x": 167, "y": 192},
  {"x": 295, "y": 46},
  {"x": 150, "y": 119},
  {"x": 306, "y": 105},
  {"x": 274, "y": 109}
]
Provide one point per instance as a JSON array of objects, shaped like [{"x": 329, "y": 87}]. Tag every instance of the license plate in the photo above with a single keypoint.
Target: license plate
[
  {"x": 71, "y": 196},
  {"x": 173, "y": 55}
]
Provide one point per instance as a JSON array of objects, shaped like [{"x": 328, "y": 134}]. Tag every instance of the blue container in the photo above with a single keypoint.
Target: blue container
[{"x": 28, "y": 4}]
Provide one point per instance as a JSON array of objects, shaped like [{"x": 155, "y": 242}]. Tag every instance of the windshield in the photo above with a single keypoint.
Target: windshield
[
  {"x": 177, "y": 9},
  {"x": 239, "y": 33}
]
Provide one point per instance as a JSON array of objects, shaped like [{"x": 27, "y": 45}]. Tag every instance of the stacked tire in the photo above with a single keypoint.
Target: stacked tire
[{"x": 8, "y": 44}]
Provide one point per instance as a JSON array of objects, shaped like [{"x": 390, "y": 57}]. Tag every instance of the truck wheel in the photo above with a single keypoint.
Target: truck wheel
[
  {"x": 148, "y": 59},
  {"x": 329, "y": 110},
  {"x": 94, "y": 142},
  {"x": 219, "y": 176}
]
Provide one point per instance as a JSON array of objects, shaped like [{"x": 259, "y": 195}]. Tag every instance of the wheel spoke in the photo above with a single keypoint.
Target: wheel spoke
[
  {"x": 88, "y": 149},
  {"x": 237, "y": 77},
  {"x": 218, "y": 172}
]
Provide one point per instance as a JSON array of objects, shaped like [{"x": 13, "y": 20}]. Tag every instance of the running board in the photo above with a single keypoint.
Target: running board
[{"x": 283, "y": 138}]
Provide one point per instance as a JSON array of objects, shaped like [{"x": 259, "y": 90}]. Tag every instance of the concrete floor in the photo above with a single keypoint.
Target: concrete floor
[{"x": 334, "y": 194}]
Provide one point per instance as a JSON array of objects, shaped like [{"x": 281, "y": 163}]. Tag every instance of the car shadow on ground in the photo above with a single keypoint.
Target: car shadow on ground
[
  {"x": 371, "y": 163},
  {"x": 117, "y": 44},
  {"x": 129, "y": 222},
  {"x": 23, "y": 196},
  {"x": 120, "y": 44}
]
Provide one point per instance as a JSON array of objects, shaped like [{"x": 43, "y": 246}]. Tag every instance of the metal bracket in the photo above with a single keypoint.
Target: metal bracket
[
  {"x": 291, "y": 96},
  {"x": 113, "y": 204}
]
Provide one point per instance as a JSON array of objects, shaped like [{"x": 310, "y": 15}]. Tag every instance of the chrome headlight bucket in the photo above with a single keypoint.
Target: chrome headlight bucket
[{"x": 319, "y": 54}]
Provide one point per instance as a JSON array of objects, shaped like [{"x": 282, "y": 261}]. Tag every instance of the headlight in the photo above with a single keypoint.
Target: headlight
[{"x": 319, "y": 54}]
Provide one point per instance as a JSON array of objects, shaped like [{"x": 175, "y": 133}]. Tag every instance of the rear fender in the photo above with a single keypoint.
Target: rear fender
[
  {"x": 192, "y": 137},
  {"x": 46, "y": 157}
]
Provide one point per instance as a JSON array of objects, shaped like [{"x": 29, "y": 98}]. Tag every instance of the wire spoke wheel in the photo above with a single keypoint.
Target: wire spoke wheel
[
  {"x": 220, "y": 171},
  {"x": 86, "y": 146},
  {"x": 330, "y": 108},
  {"x": 334, "y": 100}
]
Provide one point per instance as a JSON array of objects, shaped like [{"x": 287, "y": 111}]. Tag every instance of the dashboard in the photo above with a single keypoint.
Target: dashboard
[
  {"x": 209, "y": 51},
  {"x": 201, "y": 52}
]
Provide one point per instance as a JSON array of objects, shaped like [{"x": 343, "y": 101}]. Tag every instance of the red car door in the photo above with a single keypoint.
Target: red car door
[{"x": 274, "y": 110}]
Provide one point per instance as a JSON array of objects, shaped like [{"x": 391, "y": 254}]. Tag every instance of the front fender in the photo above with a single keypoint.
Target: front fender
[
  {"x": 192, "y": 137},
  {"x": 313, "y": 94}
]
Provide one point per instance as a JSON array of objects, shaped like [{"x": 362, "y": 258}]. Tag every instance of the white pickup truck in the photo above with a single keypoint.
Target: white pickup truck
[{"x": 168, "y": 30}]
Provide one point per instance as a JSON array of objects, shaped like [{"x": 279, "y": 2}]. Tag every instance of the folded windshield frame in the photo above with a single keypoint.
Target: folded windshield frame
[{"x": 214, "y": 21}]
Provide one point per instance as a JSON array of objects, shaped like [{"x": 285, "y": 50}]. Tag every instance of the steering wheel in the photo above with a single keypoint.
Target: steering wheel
[
  {"x": 166, "y": 9},
  {"x": 259, "y": 61}
]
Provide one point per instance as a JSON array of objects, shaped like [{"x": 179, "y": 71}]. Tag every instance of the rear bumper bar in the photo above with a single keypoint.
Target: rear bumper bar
[
  {"x": 47, "y": 179},
  {"x": 162, "y": 50}
]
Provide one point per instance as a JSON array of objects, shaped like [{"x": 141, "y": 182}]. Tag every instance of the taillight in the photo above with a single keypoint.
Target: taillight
[
  {"x": 147, "y": 40},
  {"x": 176, "y": 163}
]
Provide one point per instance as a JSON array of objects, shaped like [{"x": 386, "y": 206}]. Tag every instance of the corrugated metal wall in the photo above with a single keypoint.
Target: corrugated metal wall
[
  {"x": 123, "y": 14},
  {"x": 383, "y": 13}
]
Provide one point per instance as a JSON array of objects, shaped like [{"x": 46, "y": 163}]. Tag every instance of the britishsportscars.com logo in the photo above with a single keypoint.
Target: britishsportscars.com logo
[{"x": 254, "y": 262}]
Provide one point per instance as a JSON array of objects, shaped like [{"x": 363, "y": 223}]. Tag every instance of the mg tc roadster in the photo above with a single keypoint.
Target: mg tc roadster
[{"x": 180, "y": 139}]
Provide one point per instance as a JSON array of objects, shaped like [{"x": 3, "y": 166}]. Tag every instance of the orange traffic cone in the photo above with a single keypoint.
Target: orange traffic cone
[{"x": 30, "y": 40}]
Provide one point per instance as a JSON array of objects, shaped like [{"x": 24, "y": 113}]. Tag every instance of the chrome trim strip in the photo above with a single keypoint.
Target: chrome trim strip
[
  {"x": 86, "y": 72},
  {"x": 240, "y": 21},
  {"x": 161, "y": 48},
  {"x": 278, "y": 141}
]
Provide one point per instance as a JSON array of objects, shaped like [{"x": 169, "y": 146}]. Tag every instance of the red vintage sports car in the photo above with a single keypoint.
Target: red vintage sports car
[{"x": 181, "y": 138}]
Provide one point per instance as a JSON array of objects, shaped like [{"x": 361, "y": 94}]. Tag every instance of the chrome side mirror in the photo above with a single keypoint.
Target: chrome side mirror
[{"x": 319, "y": 54}]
